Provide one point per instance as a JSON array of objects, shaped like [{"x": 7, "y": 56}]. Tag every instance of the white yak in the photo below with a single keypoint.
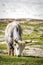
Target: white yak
[
  {"x": 13, "y": 32},
  {"x": 13, "y": 38}
]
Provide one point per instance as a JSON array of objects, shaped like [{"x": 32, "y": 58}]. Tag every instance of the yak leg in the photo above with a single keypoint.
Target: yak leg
[
  {"x": 11, "y": 49},
  {"x": 12, "y": 52},
  {"x": 9, "y": 52}
]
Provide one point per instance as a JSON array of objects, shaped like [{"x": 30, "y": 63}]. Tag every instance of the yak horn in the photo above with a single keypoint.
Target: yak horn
[
  {"x": 19, "y": 41},
  {"x": 23, "y": 42}
]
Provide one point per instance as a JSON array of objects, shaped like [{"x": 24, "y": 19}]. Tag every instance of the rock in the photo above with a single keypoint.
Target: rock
[{"x": 30, "y": 51}]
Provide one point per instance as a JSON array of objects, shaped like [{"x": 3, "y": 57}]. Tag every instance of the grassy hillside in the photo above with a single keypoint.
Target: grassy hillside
[{"x": 30, "y": 31}]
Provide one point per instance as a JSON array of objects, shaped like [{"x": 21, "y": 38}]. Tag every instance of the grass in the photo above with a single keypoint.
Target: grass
[
  {"x": 2, "y": 26},
  {"x": 3, "y": 46},
  {"x": 29, "y": 24},
  {"x": 25, "y": 36},
  {"x": 2, "y": 40},
  {"x": 37, "y": 43},
  {"x": 34, "y": 35},
  {"x": 1, "y": 32},
  {"x": 8, "y": 60}
]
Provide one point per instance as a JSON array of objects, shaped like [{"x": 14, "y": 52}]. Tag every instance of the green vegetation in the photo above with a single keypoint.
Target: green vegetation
[
  {"x": 8, "y": 60},
  {"x": 2, "y": 26},
  {"x": 1, "y": 32},
  {"x": 38, "y": 43},
  {"x": 29, "y": 24},
  {"x": 34, "y": 35},
  {"x": 3, "y": 46},
  {"x": 25, "y": 36}
]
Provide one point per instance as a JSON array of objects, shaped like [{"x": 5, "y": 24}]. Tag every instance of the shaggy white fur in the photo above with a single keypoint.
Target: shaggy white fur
[{"x": 13, "y": 31}]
